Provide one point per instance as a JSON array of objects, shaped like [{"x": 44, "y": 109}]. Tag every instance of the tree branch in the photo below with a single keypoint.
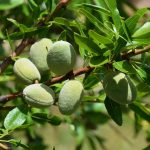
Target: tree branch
[
  {"x": 78, "y": 72},
  {"x": 4, "y": 147},
  {"x": 75, "y": 73},
  {"x": 6, "y": 98},
  {"x": 134, "y": 52},
  {"x": 26, "y": 42}
]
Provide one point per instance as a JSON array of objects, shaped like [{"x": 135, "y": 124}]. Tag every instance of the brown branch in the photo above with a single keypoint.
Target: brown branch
[
  {"x": 18, "y": 51},
  {"x": 134, "y": 52},
  {"x": 75, "y": 73},
  {"x": 4, "y": 147},
  {"x": 26, "y": 42},
  {"x": 6, "y": 98}
]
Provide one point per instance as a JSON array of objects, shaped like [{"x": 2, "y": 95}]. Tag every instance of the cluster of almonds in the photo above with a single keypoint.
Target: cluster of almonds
[
  {"x": 119, "y": 87},
  {"x": 59, "y": 58}
]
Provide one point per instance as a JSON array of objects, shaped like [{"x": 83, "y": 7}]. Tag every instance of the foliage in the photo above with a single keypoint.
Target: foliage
[{"x": 104, "y": 36}]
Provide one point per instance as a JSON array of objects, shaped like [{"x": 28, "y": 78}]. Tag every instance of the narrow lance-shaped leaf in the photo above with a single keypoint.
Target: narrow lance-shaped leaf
[
  {"x": 131, "y": 23},
  {"x": 18, "y": 143},
  {"x": 28, "y": 33},
  {"x": 62, "y": 36},
  {"x": 95, "y": 7},
  {"x": 124, "y": 66},
  {"x": 96, "y": 22},
  {"x": 115, "y": 13},
  {"x": 114, "y": 110},
  {"x": 87, "y": 44},
  {"x": 143, "y": 32},
  {"x": 140, "y": 110},
  {"x": 99, "y": 38},
  {"x": 5, "y": 4},
  {"x": 43, "y": 117}
]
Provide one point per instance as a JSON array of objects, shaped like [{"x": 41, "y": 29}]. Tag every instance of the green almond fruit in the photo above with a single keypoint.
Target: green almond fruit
[
  {"x": 143, "y": 31},
  {"x": 39, "y": 95},
  {"x": 38, "y": 54},
  {"x": 119, "y": 88},
  {"x": 70, "y": 97},
  {"x": 61, "y": 58},
  {"x": 26, "y": 70}
]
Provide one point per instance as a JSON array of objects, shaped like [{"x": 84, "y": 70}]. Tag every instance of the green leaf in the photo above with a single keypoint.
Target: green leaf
[
  {"x": 9, "y": 4},
  {"x": 62, "y": 36},
  {"x": 15, "y": 118},
  {"x": 137, "y": 123},
  {"x": 96, "y": 22},
  {"x": 18, "y": 143},
  {"x": 87, "y": 44},
  {"x": 101, "y": 142},
  {"x": 43, "y": 117},
  {"x": 99, "y": 38},
  {"x": 28, "y": 33},
  {"x": 130, "y": 23},
  {"x": 147, "y": 148},
  {"x": 140, "y": 110},
  {"x": 80, "y": 28},
  {"x": 142, "y": 41},
  {"x": 126, "y": 32},
  {"x": 99, "y": 60},
  {"x": 32, "y": 4},
  {"x": 101, "y": 3},
  {"x": 143, "y": 32},
  {"x": 22, "y": 27},
  {"x": 124, "y": 66},
  {"x": 95, "y": 7},
  {"x": 96, "y": 117},
  {"x": 114, "y": 110},
  {"x": 141, "y": 72},
  {"x": 80, "y": 135},
  {"x": 62, "y": 21},
  {"x": 49, "y": 4},
  {"x": 91, "y": 81},
  {"x": 115, "y": 13},
  {"x": 92, "y": 143}
]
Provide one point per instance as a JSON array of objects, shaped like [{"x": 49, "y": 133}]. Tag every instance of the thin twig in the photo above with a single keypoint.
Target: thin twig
[
  {"x": 4, "y": 147},
  {"x": 7, "y": 107},
  {"x": 135, "y": 52},
  {"x": 75, "y": 73},
  {"x": 26, "y": 42},
  {"x": 6, "y": 98}
]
